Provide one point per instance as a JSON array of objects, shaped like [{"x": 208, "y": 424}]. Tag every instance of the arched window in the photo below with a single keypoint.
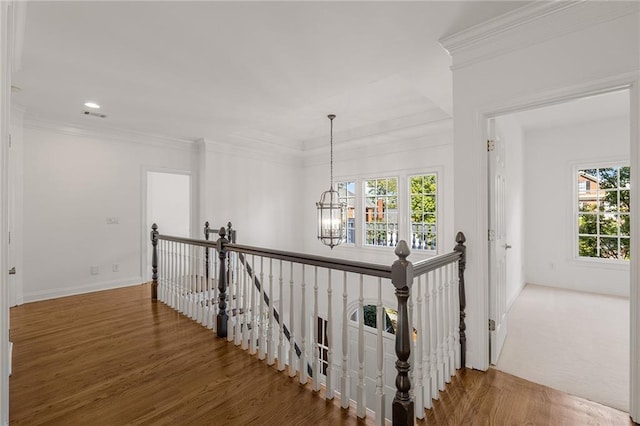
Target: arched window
[{"x": 371, "y": 318}]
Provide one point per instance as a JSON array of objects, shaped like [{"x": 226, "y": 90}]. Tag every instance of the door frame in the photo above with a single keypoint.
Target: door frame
[
  {"x": 193, "y": 213},
  {"x": 630, "y": 82}
]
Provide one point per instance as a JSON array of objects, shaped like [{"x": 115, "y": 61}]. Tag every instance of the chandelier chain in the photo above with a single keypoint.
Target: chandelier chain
[{"x": 331, "y": 143}]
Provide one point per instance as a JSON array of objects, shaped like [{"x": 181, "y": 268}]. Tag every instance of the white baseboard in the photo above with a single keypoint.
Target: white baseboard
[{"x": 72, "y": 291}]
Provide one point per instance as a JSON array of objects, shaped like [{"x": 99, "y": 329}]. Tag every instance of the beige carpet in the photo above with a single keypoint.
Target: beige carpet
[{"x": 571, "y": 341}]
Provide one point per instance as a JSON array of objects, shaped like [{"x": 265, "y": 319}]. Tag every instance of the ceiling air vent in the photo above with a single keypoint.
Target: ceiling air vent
[{"x": 94, "y": 114}]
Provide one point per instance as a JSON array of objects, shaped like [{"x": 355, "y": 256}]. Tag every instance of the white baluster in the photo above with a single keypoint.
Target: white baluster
[
  {"x": 440, "y": 330},
  {"x": 231, "y": 296},
  {"x": 329, "y": 380},
  {"x": 452, "y": 321},
  {"x": 344, "y": 379},
  {"x": 191, "y": 282},
  {"x": 303, "y": 331},
  {"x": 213, "y": 288},
  {"x": 380, "y": 317},
  {"x": 456, "y": 319},
  {"x": 411, "y": 342},
  {"x": 447, "y": 324},
  {"x": 292, "y": 340},
  {"x": 270, "y": 349},
  {"x": 426, "y": 336},
  {"x": 209, "y": 290},
  {"x": 418, "y": 389},
  {"x": 433, "y": 284},
  {"x": 174, "y": 281},
  {"x": 361, "y": 409},
  {"x": 261, "y": 319},
  {"x": 316, "y": 348},
  {"x": 252, "y": 335},
  {"x": 239, "y": 301},
  {"x": 281, "y": 348},
  {"x": 245, "y": 304}
]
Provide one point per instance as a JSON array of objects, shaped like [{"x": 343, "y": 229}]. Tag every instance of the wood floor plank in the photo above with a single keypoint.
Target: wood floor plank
[{"x": 115, "y": 358}]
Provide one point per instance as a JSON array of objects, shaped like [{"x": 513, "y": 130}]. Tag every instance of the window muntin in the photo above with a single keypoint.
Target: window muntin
[
  {"x": 423, "y": 215},
  {"x": 603, "y": 220},
  {"x": 347, "y": 195},
  {"x": 381, "y": 212}
]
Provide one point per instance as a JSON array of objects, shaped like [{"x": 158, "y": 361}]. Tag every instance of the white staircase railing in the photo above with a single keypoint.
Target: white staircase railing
[{"x": 344, "y": 332}]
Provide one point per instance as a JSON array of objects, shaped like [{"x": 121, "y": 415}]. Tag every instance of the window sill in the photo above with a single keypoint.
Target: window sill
[{"x": 593, "y": 262}]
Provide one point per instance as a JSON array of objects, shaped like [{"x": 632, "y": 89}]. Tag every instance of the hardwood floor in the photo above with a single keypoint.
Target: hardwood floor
[{"x": 115, "y": 358}]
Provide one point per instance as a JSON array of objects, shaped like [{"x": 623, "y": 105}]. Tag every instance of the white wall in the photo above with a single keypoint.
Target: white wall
[
  {"x": 72, "y": 184},
  {"x": 259, "y": 193},
  {"x": 551, "y": 158},
  {"x": 585, "y": 46},
  {"x": 510, "y": 132}
]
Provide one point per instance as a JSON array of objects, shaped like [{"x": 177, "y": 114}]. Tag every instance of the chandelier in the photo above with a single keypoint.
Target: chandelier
[{"x": 331, "y": 211}]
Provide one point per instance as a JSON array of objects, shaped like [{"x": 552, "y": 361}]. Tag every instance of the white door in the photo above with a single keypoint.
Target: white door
[{"x": 497, "y": 243}]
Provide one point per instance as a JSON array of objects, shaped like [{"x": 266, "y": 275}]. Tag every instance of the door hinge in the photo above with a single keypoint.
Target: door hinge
[
  {"x": 492, "y": 325},
  {"x": 491, "y": 145},
  {"x": 491, "y": 235},
  {"x": 9, "y": 140},
  {"x": 9, "y": 237}
]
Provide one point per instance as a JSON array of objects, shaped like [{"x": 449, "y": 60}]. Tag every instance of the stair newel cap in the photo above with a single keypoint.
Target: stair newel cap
[
  {"x": 402, "y": 269},
  {"x": 460, "y": 238},
  {"x": 206, "y": 230},
  {"x": 154, "y": 234},
  {"x": 222, "y": 232}
]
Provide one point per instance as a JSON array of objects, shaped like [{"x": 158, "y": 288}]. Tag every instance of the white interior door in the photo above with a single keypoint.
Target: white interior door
[{"x": 497, "y": 243}]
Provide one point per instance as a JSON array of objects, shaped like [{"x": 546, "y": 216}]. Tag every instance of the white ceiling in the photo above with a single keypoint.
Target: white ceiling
[{"x": 243, "y": 72}]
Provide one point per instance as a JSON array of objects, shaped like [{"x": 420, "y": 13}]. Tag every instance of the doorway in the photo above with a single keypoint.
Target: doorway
[
  {"x": 556, "y": 232},
  {"x": 168, "y": 204}
]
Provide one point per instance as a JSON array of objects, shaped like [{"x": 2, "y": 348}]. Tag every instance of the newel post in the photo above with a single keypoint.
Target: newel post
[
  {"x": 154, "y": 262},
  {"x": 221, "y": 319},
  {"x": 402, "y": 279},
  {"x": 462, "y": 263}
]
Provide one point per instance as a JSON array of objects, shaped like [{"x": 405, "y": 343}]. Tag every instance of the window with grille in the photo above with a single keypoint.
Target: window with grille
[
  {"x": 381, "y": 212},
  {"x": 603, "y": 221},
  {"x": 347, "y": 195},
  {"x": 423, "y": 203}
]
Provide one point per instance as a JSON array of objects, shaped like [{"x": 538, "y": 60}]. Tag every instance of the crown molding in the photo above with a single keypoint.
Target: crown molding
[
  {"x": 119, "y": 135},
  {"x": 528, "y": 25}
]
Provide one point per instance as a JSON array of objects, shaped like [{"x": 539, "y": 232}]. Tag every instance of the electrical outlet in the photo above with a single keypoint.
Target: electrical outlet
[
  {"x": 115, "y": 267},
  {"x": 95, "y": 270}
]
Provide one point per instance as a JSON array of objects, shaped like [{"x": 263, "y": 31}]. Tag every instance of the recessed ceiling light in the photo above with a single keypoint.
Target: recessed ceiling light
[{"x": 91, "y": 105}]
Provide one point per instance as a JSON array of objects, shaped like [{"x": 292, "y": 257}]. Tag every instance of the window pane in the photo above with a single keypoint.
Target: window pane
[
  {"x": 588, "y": 224},
  {"x": 625, "y": 173},
  {"x": 608, "y": 224},
  {"x": 625, "y": 225},
  {"x": 609, "y": 248},
  {"x": 608, "y": 201},
  {"x": 624, "y": 200},
  {"x": 608, "y": 177},
  {"x": 588, "y": 246},
  {"x": 625, "y": 248}
]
